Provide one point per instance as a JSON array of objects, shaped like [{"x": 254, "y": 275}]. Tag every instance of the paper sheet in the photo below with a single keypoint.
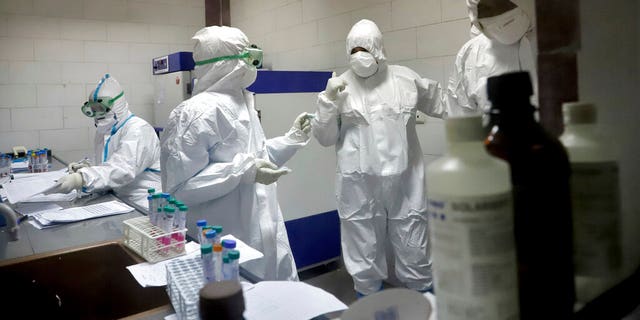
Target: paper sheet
[
  {"x": 276, "y": 300},
  {"x": 73, "y": 214},
  {"x": 29, "y": 209},
  {"x": 24, "y": 186},
  {"x": 247, "y": 253},
  {"x": 155, "y": 274}
]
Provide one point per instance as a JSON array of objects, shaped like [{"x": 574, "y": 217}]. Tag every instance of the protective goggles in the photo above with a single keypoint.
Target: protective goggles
[
  {"x": 251, "y": 55},
  {"x": 100, "y": 106}
]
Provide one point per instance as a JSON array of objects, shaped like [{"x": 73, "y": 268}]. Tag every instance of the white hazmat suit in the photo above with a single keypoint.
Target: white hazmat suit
[
  {"x": 380, "y": 170},
  {"x": 212, "y": 150},
  {"x": 127, "y": 150},
  {"x": 501, "y": 47}
]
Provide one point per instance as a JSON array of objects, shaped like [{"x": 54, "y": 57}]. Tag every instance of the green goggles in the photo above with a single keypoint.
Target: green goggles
[
  {"x": 251, "y": 55},
  {"x": 100, "y": 106}
]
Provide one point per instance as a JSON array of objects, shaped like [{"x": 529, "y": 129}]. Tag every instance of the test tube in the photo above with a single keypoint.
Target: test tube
[
  {"x": 226, "y": 268},
  {"x": 200, "y": 224},
  {"x": 217, "y": 261},
  {"x": 157, "y": 200},
  {"x": 180, "y": 223},
  {"x": 234, "y": 259},
  {"x": 228, "y": 245},
  {"x": 210, "y": 235},
  {"x": 218, "y": 230},
  {"x": 207, "y": 263},
  {"x": 152, "y": 207},
  {"x": 44, "y": 163},
  {"x": 165, "y": 199},
  {"x": 167, "y": 223}
]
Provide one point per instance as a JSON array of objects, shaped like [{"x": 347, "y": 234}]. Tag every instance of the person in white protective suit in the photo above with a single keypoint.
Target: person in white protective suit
[
  {"x": 127, "y": 149},
  {"x": 501, "y": 47},
  {"x": 368, "y": 113},
  {"x": 215, "y": 156}
]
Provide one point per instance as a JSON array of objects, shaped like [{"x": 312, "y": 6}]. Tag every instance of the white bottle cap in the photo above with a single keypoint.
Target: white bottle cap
[
  {"x": 464, "y": 129},
  {"x": 579, "y": 113}
]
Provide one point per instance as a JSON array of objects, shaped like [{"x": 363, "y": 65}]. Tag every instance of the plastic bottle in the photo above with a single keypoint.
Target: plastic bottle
[
  {"x": 226, "y": 268},
  {"x": 595, "y": 196},
  {"x": 542, "y": 208},
  {"x": 209, "y": 236},
  {"x": 227, "y": 245},
  {"x": 471, "y": 213},
  {"x": 217, "y": 261},
  {"x": 234, "y": 269},
  {"x": 200, "y": 224},
  {"x": 207, "y": 263}
]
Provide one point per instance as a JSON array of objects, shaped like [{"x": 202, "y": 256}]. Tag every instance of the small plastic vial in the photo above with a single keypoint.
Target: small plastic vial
[
  {"x": 167, "y": 226},
  {"x": 210, "y": 235},
  {"x": 234, "y": 258},
  {"x": 227, "y": 245},
  {"x": 165, "y": 198},
  {"x": 180, "y": 222},
  {"x": 226, "y": 268},
  {"x": 217, "y": 261},
  {"x": 200, "y": 224},
  {"x": 152, "y": 207},
  {"x": 207, "y": 262},
  {"x": 218, "y": 230},
  {"x": 157, "y": 201}
]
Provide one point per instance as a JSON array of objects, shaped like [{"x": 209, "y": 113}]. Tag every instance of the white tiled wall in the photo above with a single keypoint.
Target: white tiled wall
[
  {"x": 424, "y": 35},
  {"x": 52, "y": 53}
]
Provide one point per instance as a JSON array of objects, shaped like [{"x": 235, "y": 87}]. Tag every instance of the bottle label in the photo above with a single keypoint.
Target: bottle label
[
  {"x": 595, "y": 200},
  {"x": 474, "y": 258}
]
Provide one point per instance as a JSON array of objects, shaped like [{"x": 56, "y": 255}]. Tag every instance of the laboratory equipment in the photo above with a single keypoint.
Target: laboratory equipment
[
  {"x": 184, "y": 280},
  {"x": 595, "y": 199},
  {"x": 542, "y": 205},
  {"x": 234, "y": 268},
  {"x": 180, "y": 221},
  {"x": 227, "y": 245},
  {"x": 217, "y": 261},
  {"x": 172, "y": 84},
  {"x": 218, "y": 230},
  {"x": 210, "y": 236},
  {"x": 144, "y": 239},
  {"x": 471, "y": 227},
  {"x": 222, "y": 301},
  {"x": 206, "y": 254},
  {"x": 226, "y": 268},
  {"x": 200, "y": 224}
]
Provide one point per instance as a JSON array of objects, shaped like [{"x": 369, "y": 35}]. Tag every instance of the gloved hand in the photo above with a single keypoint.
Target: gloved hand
[
  {"x": 67, "y": 184},
  {"x": 267, "y": 172},
  {"x": 303, "y": 122},
  {"x": 75, "y": 166},
  {"x": 334, "y": 86}
]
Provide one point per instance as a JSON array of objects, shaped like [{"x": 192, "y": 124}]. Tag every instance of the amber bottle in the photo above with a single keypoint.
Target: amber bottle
[{"x": 540, "y": 175}]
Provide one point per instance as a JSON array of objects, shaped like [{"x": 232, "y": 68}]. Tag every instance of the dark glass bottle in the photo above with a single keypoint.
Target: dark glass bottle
[{"x": 540, "y": 174}]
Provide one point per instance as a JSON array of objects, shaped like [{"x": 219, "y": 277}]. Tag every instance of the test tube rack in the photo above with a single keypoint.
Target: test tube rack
[
  {"x": 184, "y": 281},
  {"x": 151, "y": 242}
]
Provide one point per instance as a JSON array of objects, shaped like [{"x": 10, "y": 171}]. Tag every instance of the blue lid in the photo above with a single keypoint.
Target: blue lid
[
  {"x": 228, "y": 243},
  {"x": 201, "y": 223},
  {"x": 166, "y": 195},
  {"x": 149, "y": 197},
  {"x": 210, "y": 234}
]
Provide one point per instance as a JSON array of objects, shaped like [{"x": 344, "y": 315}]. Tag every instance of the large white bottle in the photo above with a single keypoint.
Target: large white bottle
[
  {"x": 595, "y": 200},
  {"x": 471, "y": 221}
]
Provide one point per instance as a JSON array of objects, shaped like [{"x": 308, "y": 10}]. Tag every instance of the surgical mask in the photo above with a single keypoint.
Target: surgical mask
[
  {"x": 99, "y": 106},
  {"x": 249, "y": 77},
  {"x": 507, "y": 28},
  {"x": 251, "y": 55},
  {"x": 104, "y": 123},
  {"x": 363, "y": 64}
]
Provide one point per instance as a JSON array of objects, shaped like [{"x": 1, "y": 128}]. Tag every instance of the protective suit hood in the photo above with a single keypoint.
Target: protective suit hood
[
  {"x": 108, "y": 86},
  {"x": 365, "y": 34},
  {"x": 218, "y": 41}
]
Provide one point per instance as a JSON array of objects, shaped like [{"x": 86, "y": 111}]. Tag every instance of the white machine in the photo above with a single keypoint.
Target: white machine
[{"x": 172, "y": 84}]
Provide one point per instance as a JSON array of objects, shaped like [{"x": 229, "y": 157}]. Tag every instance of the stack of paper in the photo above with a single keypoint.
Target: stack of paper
[
  {"x": 49, "y": 218},
  {"x": 28, "y": 187}
]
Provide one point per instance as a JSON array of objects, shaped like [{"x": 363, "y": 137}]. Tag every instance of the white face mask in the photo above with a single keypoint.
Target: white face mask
[
  {"x": 363, "y": 64},
  {"x": 103, "y": 125},
  {"x": 249, "y": 76},
  {"x": 507, "y": 28}
]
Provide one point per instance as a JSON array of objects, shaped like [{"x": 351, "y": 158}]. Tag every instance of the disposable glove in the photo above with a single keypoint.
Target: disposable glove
[
  {"x": 75, "y": 166},
  {"x": 303, "y": 122},
  {"x": 334, "y": 86},
  {"x": 267, "y": 172},
  {"x": 67, "y": 184}
]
